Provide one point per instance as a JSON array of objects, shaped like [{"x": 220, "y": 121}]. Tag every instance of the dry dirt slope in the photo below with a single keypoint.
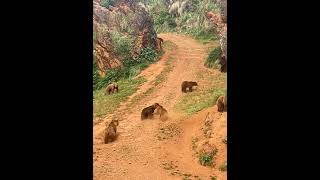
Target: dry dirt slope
[{"x": 143, "y": 150}]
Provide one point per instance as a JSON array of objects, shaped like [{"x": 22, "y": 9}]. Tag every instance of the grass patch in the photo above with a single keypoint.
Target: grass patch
[
  {"x": 168, "y": 45},
  {"x": 130, "y": 68},
  {"x": 207, "y": 158},
  {"x": 200, "y": 33},
  {"x": 127, "y": 86},
  {"x": 164, "y": 74},
  {"x": 105, "y": 104},
  {"x": 203, "y": 97}
]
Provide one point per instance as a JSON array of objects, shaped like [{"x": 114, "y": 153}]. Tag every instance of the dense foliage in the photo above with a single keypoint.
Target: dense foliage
[
  {"x": 213, "y": 56},
  {"x": 130, "y": 69},
  {"x": 107, "y": 3},
  {"x": 192, "y": 21}
]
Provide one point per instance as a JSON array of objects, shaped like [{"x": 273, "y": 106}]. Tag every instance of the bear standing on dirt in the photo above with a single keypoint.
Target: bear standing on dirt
[
  {"x": 111, "y": 131},
  {"x": 222, "y": 104},
  {"x": 159, "y": 44},
  {"x": 147, "y": 113},
  {"x": 112, "y": 88},
  {"x": 188, "y": 85},
  {"x": 163, "y": 113}
]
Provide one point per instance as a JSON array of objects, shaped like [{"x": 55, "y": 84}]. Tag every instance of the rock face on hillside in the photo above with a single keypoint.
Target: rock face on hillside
[
  {"x": 219, "y": 20},
  {"x": 127, "y": 18}
]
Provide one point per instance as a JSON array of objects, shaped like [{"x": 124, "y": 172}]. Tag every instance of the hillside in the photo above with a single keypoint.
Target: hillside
[
  {"x": 144, "y": 149},
  {"x": 192, "y": 142}
]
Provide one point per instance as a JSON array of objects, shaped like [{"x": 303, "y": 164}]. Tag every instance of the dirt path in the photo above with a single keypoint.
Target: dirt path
[{"x": 138, "y": 153}]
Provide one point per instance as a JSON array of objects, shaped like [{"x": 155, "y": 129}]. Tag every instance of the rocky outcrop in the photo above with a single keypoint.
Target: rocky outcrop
[
  {"x": 102, "y": 44},
  {"x": 129, "y": 19},
  {"x": 145, "y": 35},
  {"x": 219, "y": 20}
]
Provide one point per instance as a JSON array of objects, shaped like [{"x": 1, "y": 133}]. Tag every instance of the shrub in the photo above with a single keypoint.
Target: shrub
[
  {"x": 214, "y": 55},
  {"x": 205, "y": 34},
  {"x": 147, "y": 55},
  {"x": 207, "y": 158},
  {"x": 94, "y": 36},
  {"x": 96, "y": 76},
  {"x": 122, "y": 44},
  {"x": 130, "y": 69},
  {"x": 163, "y": 21},
  {"x": 107, "y": 3},
  {"x": 113, "y": 75}
]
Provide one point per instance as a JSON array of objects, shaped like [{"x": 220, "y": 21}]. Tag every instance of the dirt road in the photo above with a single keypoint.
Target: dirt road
[{"x": 144, "y": 150}]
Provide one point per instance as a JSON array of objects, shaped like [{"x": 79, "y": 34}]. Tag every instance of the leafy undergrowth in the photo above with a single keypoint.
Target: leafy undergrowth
[
  {"x": 207, "y": 158},
  {"x": 105, "y": 104},
  {"x": 202, "y": 97},
  {"x": 130, "y": 69},
  {"x": 213, "y": 56}
]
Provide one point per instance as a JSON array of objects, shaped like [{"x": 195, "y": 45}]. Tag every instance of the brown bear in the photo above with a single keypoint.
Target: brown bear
[
  {"x": 159, "y": 44},
  {"x": 111, "y": 131},
  {"x": 112, "y": 88},
  {"x": 147, "y": 113},
  {"x": 188, "y": 85},
  {"x": 162, "y": 112},
  {"x": 222, "y": 104}
]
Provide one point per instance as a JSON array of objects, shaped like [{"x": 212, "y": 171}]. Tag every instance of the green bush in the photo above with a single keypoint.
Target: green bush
[
  {"x": 96, "y": 76},
  {"x": 94, "y": 36},
  {"x": 107, "y": 3},
  {"x": 148, "y": 55},
  {"x": 205, "y": 34},
  {"x": 207, "y": 158},
  {"x": 212, "y": 7},
  {"x": 122, "y": 44},
  {"x": 130, "y": 69},
  {"x": 163, "y": 21},
  {"x": 214, "y": 55},
  {"x": 113, "y": 75}
]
